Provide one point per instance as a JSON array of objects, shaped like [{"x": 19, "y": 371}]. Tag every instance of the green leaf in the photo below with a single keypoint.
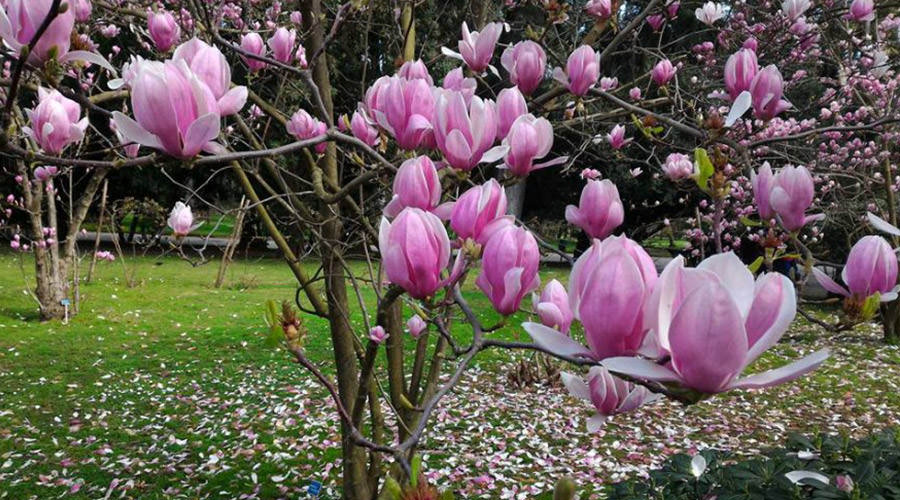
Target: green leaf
[
  {"x": 747, "y": 221},
  {"x": 870, "y": 306},
  {"x": 705, "y": 169},
  {"x": 415, "y": 470},
  {"x": 755, "y": 265},
  {"x": 391, "y": 489}
]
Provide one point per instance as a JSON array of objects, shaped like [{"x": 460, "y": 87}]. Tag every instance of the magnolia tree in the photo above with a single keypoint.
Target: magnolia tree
[{"x": 415, "y": 170}]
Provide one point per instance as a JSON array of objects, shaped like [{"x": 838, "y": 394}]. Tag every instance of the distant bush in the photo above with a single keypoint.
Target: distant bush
[{"x": 864, "y": 469}]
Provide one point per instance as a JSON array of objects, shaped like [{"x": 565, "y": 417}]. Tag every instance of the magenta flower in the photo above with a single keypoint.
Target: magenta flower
[
  {"x": 20, "y": 20},
  {"x": 766, "y": 90},
  {"x": 740, "y": 68},
  {"x": 83, "y": 9},
  {"x": 181, "y": 220},
  {"x": 616, "y": 137},
  {"x": 404, "y": 108},
  {"x": 210, "y": 65},
  {"x": 477, "y": 48},
  {"x": 871, "y": 268},
  {"x": 529, "y": 139},
  {"x": 417, "y": 185},
  {"x": 610, "y": 395},
  {"x": 793, "y": 9},
  {"x": 525, "y": 62},
  {"x": 363, "y": 128},
  {"x": 599, "y": 9},
  {"x": 663, "y": 72},
  {"x": 709, "y": 13},
  {"x": 253, "y": 43},
  {"x": 553, "y": 307},
  {"x": 479, "y": 212},
  {"x": 414, "y": 250},
  {"x": 163, "y": 29},
  {"x": 510, "y": 106},
  {"x": 509, "y": 268},
  {"x": 44, "y": 174},
  {"x": 599, "y": 211},
  {"x": 792, "y": 194},
  {"x": 711, "y": 322},
  {"x": 607, "y": 83},
  {"x": 635, "y": 93},
  {"x": 678, "y": 166},
  {"x": 377, "y": 334},
  {"x": 656, "y": 21},
  {"x": 672, "y": 9},
  {"x": 454, "y": 80},
  {"x": 304, "y": 126},
  {"x": 465, "y": 133},
  {"x": 55, "y": 122},
  {"x": 416, "y": 326},
  {"x": 282, "y": 45},
  {"x": 862, "y": 10},
  {"x": 582, "y": 71},
  {"x": 762, "y": 183},
  {"x": 415, "y": 70}
]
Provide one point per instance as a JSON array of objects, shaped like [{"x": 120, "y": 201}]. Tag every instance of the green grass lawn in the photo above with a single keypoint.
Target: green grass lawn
[
  {"x": 214, "y": 226},
  {"x": 167, "y": 390}
]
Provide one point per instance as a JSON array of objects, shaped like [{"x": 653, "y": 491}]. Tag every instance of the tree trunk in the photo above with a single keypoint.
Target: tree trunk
[{"x": 515, "y": 195}]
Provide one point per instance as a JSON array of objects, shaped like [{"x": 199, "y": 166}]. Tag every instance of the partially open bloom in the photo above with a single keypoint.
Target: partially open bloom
[
  {"x": 599, "y": 211},
  {"x": 163, "y": 29},
  {"x": 793, "y": 9},
  {"x": 713, "y": 321},
  {"x": 610, "y": 395},
  {"x": 635, "y": 93},
  {"x": 616, "y": 137},
  {"x": 740, "y": 68},
  {"x": 478, "y": 211},
  {"x": 862, "y": 10},
  {"x": 404, "y": 108},
  {"x": 792, "y": 194},
  {"x": 709, "y": 13},
  {"x": 678, "y": 166},
  {"x": 210, "y": 65},
  {"x": 766, "y": 90},
  {"x": 599, "y": 9},
  {"x": 377, "y": 334},
  {"x": 55, "y": 122},
  {"x": 529, "y": 139},
  {"x": 415, "y": 249},
  {"x": 553, "y": 307},
  {"x": 525, "y": 62},
  {"x": 509, "y": 268},
  {"x": 181, "y": 219},
  {"x": 510, "y": 106},
  {"x": 477, "y": 48},
  {"x": 83, "y": 9},
  {"x": 656, "y": 21},
  {"x": 762, "y": 182},
  {"x": 412, "y": 70},
  {"x": 416, "y": 326},
  {"x": 363, "y": 128},
  {"x": 282, "y": 45},
  {"x": 582, "y": 71},
  {"x": 871, "y": 268},
  {"x": 253, "y": 43},
  {"x": 44, "y": 174},
  {"x": 663, "y": 72},
  {"x": 465, "y": 133},
  {"x": 416, "y": 185},
  {"x": 20, "y": 20},
  {"x": 455, "y": 80},
  {"x": 304, "y": 126},
  {"x": 607, "y": 83}
]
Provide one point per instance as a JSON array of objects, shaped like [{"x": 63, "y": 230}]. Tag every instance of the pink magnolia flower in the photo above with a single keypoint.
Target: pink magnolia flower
[
  {"x": 607, "y": 84},
  {"x": 20, "y": 20},
  {"x": 844, "y": 483},
  {"x": 305, "y": 126},
  {"x": 477, "y": 48},
  {"x": 454, "y": 80},
  {"x": 211, "y": 67},
  {"x": 417, "y": 185},
  {"x": 793, "y": 9},
  {"x": 710, "y": 13},
  {"x": 792, "y": 194},
  {"x": 635, "y": 93},
  {"x": 713, "y": 321},
  {"x": 363, "y": 128},
  {"x": 479, "y": 212},
  {"x": 181, "y": 220},
  {"x": 678, "y": 166},
  {"x": 862, "y": 10},
  {"x": 762, "y": 183},
  {"x": 871, "y": 268},
  {"x": 509, "y": 268},
  {"x": 377, "y": 334},
  {"x": 553, "y": 307},
  {"x": 296, "y": 17},
  {"x": 656, "y": 21},
  {"x": 404, "y": 108},
  {"x": 510, "y": 106},
  {"x": 253, "y": 43},
  {"x": 672, "y": 9},
  {"x": 83, "y": 9},
  {"x": 582, "y": 71},
  {"x": 529, "y": 139},
  {"x": 616, "y": 137},
  {"x": 766, "y": 90},
  {"x": 163, "y": 29},
  {"x": 610, "y": 395},
  {"x": 525, "y": 62},
  {"x": 175, "y": 111},
  {"x": 740, "y": 68},
  {"x": 600, "y": 210},
  {"x": 282, "y": 45},
  {"x": 465, "y": 133},
  {"x": 55, "y": 122},
  {"x": 44, "y": 174},
  {"x": 413, "y": 70},
  {"x": 416, "y": 326},
  {"x": 663, "y": 72},
  {"x": 599, "y": 9},
  {"x": 415, "y": 249}
]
